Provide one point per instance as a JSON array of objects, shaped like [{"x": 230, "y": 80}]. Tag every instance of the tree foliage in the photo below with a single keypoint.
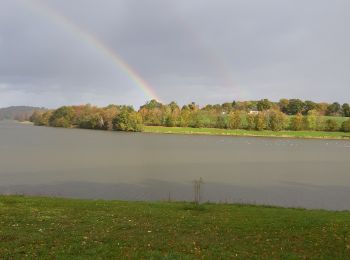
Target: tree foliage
[
  {"x": 129, "y": 121},
  {"x": 287, "y": 114},
  {"x": 277, "y": 120},
  {"x": 296, "y": 122}
]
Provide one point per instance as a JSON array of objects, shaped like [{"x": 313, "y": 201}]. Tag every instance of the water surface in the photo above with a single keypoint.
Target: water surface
[{"x": 136, "y": 166}]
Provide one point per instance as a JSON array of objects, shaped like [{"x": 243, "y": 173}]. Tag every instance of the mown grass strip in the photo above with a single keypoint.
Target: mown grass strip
[{"x": 242, "y": 132}]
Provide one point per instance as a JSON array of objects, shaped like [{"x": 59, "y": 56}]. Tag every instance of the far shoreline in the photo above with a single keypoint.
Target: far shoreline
[
  {"x": 26, "y": 122},
  {"x": 309, "y": 135}
]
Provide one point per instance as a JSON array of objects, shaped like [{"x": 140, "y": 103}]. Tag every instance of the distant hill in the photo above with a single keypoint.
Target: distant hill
[{"x": 20, "y": 113}]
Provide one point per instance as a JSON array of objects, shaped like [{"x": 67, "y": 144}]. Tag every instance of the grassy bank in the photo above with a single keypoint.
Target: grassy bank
[
  {"x": 63, "y": 228},
  {"x": 240, "y": 132}
]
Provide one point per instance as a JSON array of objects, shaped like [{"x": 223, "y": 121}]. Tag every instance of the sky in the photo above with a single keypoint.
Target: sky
[{"x": 55, "y": 53}]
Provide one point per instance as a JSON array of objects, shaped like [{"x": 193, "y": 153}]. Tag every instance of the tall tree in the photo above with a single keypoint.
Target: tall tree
[
  {"x": 333, "y": 109},
  {"x": 346, "y": 110},
  {"x": 283, "y": 105},
  {"x": 309, "y": 105},
  {"x": 264, "y": 104},
  {"x": 295, "y": 106}
]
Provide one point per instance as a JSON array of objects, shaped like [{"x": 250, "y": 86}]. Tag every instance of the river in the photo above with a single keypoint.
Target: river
[{"x": 138, "y": 166}]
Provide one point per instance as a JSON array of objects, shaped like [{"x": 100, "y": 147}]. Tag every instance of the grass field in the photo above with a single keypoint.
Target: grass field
[
  {"x": 339, "y": 119},
  {"x": 240, "y": 132},
  {"x": 50, "y": 228}
]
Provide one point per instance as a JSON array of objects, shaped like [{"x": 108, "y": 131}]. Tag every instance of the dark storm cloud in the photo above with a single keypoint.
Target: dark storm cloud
[{"x": 204, "y": 51}]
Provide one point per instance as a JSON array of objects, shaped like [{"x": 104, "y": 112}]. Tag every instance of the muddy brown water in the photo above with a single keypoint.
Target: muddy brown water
[{"x": 138, "y": 166}]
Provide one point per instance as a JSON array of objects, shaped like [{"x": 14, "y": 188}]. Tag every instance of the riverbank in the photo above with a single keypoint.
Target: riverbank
[
  {"x": 26, "y": 122},
  {"x": 38, "y": 227},
  {"x": 247, "y": 133}
]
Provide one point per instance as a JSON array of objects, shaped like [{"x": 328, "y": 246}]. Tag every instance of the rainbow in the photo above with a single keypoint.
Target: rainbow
[{"x": 88, "y": 37}]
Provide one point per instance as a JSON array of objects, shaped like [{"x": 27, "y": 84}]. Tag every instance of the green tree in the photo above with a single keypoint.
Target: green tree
[
  {"x": 196, "y": 119},
  {"x": 128, "y": 121},
  {"x": 308, "y": 106},
  {"x": 152, "y": 104},
  {"x": 170, "y": 121},
  {"x": 62, "y": 117},
  {"x": 263, "y": 105},
  {"x": 346, "y": 110},
  {"x": 221, "y": 122},
  {"x": 310, "y": 121},
  {"x": 333, "y": 109},
  {"x": 91, "y": 121},
  {"x": 295, "y": 106}
]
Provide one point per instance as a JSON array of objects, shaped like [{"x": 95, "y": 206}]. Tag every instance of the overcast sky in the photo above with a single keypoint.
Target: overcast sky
[{"x": 208, "y": 51}]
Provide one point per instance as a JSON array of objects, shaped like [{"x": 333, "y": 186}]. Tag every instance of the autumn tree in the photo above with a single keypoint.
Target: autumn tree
[
  {"x": 296, "y": 122},
  {"x": 108, "y": 114},
  {"x": 260, "y": 121},
  {"x": 42, "y": 118},
  {"x": 234, "y": 120},
  {"x": 277, "y": 120},
  {"x": 250, "y": 121}
]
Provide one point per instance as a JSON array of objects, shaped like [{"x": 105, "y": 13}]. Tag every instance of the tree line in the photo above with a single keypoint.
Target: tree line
[{"x": 293, "y": 114}]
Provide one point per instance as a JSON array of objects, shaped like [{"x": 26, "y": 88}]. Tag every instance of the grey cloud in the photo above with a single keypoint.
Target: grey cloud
[{"x": 204, "y": 51}]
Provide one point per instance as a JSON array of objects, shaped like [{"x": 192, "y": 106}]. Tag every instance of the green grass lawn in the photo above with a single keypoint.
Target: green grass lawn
[
  {"x": 241, "y": 132},
  {"x": 37, "y": 227}
]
